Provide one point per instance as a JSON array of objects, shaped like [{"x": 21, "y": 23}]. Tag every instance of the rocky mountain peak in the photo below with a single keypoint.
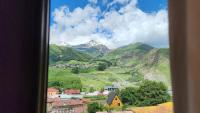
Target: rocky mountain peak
[{"x": 92, "y": 43}]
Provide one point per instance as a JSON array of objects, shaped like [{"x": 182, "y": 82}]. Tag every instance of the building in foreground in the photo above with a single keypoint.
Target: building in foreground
[
  {"x": 52, "y": 92},
  {"x": 113, "y": 100},
  {"x": 57, "y": 105},
  {"x": 72, "y": 91}
]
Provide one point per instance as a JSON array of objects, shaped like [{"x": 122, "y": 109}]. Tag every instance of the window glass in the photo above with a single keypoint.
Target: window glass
[{"x": 109, "y": 56}]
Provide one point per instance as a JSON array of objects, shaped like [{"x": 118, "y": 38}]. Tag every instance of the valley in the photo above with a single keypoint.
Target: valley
[{"x": 125, "y": 66}]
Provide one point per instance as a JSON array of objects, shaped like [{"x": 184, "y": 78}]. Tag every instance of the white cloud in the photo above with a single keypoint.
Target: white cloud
[
  {"x": 128, "y": 25},
  {"x": 120, "y": 1},
  {"x": 93, "y": 1},
  {"x": 104, "y": 1}
]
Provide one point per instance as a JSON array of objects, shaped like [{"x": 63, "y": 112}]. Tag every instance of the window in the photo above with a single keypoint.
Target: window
[
  {"x": 118, "y": 104},
  {"x": 102, "y": 49}
]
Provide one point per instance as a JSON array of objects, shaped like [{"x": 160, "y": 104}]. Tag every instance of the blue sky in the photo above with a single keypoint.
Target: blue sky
[
  {"x": 114, "y": 23},
  {"x": 148, "y": 6}
]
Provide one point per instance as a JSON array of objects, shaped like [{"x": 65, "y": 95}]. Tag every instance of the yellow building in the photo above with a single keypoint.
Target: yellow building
[
  {"x": 52, "y": 92},
  {"x": 113, "y": 100}
]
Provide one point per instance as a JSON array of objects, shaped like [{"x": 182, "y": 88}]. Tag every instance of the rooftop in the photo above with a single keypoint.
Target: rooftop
[
  {"x": 72, "y": 91},
  {"x": 71, "y": 102},
  {"x": 52, "y": 89},
  {"x": 106, "y": 87},
  {"x": 111, "y": 96}
]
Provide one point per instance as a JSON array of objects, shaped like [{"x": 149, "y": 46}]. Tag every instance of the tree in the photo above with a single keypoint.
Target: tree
[
  {"x": 102, "y": 90},
  {"x": 94, "y": 107},
  {"x": 75, "y": 70},
  {"x": 117, "y": 91},
  {"x": 102, "y": 66},
  {"x": 149, "y": 93},
  {"x": 72, "y": 83},
  {"x": 152, "y": 93},
  {"x": 55, "y": 84},
  {"x": 129, "y": 96},
  {"x": 91, "y": 89}
]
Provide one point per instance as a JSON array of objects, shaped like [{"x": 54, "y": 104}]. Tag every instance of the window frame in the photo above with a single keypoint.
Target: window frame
[{"x": 184, "y": 41}]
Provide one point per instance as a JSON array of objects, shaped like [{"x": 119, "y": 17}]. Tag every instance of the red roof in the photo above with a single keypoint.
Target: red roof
[
  {"x": 86, "y": 100},
  {"x": 51, "y": 100},
  {"x": 74, "y": 102},
  {"x": 53, "y": 90},
  {"x": 71, "y": 102},
  {"x": 72, "y": 91}
]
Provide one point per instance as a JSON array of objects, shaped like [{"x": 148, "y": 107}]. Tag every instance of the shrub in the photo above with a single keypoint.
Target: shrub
[
  {"x": 86, "y": 70},
  {"x": 94, "y": 107},
  {"x": 75, "y": 70},
  {"x": 55, "y": 84},
  {"x": 91, "y": 89},
  {"x": 102, "y": 66},
  {"x": 149, "y": 93},
  {"x": 72, "y": 83},
  {"x": 152, "y": 93},
  {"x": 129, "y": 96}
]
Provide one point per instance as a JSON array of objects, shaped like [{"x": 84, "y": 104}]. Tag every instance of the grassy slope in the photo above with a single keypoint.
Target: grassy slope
[
  {"x": 129, "y": 51},
  {"x": 152, "y": 63},
  {"x": 61, "y": 53},
  {"x": 96, "y": 79},
  {"x": 155, "y": 66}
]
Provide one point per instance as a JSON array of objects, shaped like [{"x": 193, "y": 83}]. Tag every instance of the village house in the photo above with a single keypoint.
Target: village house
[
  {"x": 95, "y": 93},
  {"x": 113, "y": 100},
  {"x": 66, "y": 96},
  {"x": 65, "y": 106},
  {"x": 52, "y": 92},
  {"x": 50, "y": 104},
  {"x": 110, "y": 88},
  {"x": 105, "y": 92},
  {"x": 72, "y": 91}
]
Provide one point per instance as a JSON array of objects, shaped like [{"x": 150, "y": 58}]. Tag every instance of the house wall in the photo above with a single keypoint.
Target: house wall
[
  {"x": 71, "y": 109},
  {"x": 116, "y": 102},
  {"x": 49, "y": 107},
  {"x": 52, "y": 94},
  {"x": 79, "y": 109}
]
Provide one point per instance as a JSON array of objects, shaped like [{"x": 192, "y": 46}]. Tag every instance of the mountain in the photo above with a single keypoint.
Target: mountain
[
  {"x": 138, "y": 53},
  {"x": 151, "y": 62},
  {"x": 64, "y": 53},
  {"x": 128, "y": 55},
  {"x": 92, "y": 48},
  {"x": 130, "y": 64}
]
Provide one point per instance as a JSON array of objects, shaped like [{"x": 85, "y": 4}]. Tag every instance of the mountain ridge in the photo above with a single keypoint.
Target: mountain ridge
[
  {"x": 65, "y": 53},
  {"x": 92, "y": 48},
  {"x": 141, "y": 59}
]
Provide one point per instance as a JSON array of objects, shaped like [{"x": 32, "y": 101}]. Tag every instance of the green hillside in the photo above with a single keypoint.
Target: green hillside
[
  {"x": 128, "y": 55},
  {"x": 151, "y": 62},
  {"x": 130, "y": 65},
  {"x": 62, "y": 54}
]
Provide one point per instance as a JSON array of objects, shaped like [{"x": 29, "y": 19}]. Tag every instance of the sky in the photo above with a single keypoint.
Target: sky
[{"x": 114, "y": 23}]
